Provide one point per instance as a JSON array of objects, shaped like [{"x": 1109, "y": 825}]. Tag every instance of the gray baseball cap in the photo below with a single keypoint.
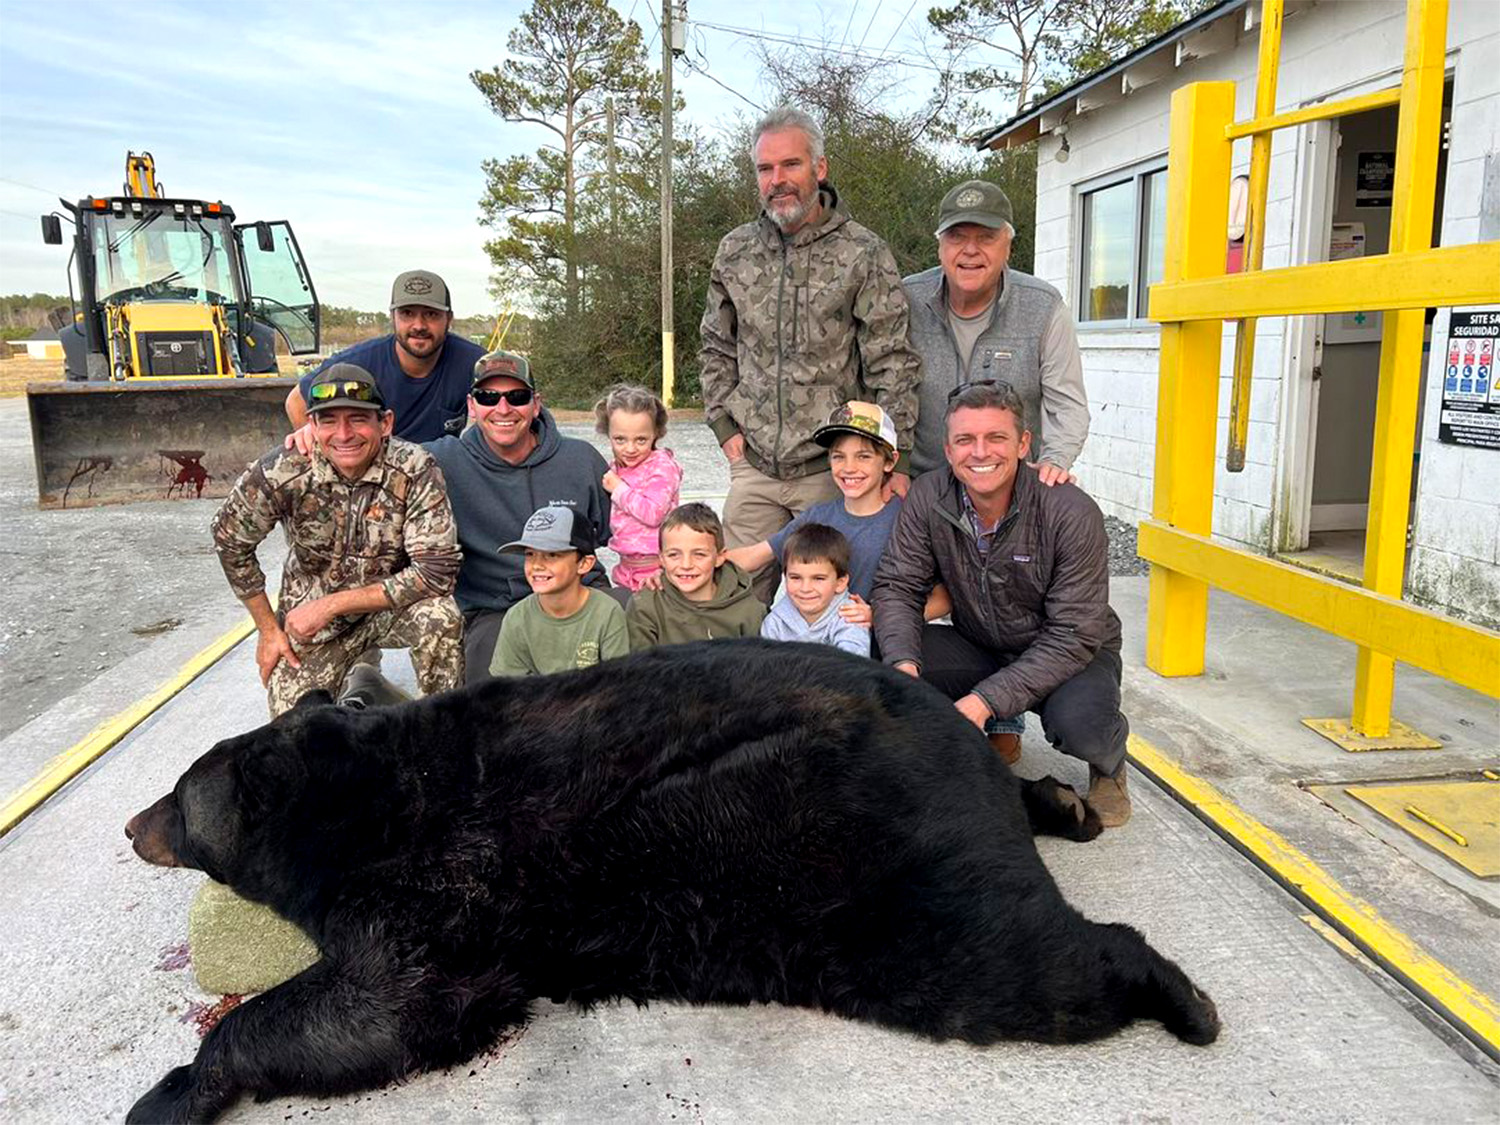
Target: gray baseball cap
[
  {"x": 420, "y": 287},
  {"x": 505, "y": 363},
  {"x": 344, "y": 384},
  {"x": 557, "y": 528},
  {"x": 974, "y": 201}
]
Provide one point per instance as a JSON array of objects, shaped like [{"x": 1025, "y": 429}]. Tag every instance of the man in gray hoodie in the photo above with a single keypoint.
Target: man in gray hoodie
[{"x": 504, "y": 467}]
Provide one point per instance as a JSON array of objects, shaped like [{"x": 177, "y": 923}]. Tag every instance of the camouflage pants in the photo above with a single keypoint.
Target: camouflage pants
[{"x": 432, "y": 628}]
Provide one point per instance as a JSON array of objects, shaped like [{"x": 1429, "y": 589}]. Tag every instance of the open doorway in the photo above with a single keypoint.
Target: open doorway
[{"x": 1345, "y": 357}]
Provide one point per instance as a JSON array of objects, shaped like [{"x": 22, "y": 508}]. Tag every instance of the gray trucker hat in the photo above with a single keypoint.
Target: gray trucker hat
[
  {"x": 975, "y": 201},
  {"x": 420, "y": 287},
  {"x": 557, "y": 528}
]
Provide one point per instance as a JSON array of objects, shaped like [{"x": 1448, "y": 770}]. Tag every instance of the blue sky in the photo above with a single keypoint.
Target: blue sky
[{"x": 355, "y": 121}]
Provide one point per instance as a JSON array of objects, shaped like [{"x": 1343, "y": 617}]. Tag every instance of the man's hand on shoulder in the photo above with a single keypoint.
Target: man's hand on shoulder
[
  {"x": 301, "y": 439},
  {"x": 897, "y": 484},
  {"x": 1051, "y": 474},
  {"x": 734, "y": 448}
]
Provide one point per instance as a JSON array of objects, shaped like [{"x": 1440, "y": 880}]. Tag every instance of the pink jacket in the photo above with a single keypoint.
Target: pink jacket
[{"x": 647, "y": 493}]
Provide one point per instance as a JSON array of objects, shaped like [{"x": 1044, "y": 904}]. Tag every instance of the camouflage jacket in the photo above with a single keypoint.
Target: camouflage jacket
[
  {"x": 392, "y": 526},
  {"x": 796, "y": 326}
]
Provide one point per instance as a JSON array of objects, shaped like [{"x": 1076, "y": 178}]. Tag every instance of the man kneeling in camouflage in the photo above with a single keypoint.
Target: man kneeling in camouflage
[{"x": 373, "y": 548}]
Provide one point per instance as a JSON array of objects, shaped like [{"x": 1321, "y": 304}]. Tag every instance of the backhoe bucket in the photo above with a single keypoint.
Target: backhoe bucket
[{"x": 115, "y": 443}]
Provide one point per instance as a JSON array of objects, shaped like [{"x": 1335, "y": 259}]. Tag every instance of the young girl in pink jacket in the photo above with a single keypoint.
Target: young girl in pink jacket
[{"x": 643, "y": 481}]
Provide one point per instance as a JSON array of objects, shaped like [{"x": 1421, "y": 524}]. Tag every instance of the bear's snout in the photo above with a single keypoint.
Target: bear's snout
[{"x": 147, "y": 832}]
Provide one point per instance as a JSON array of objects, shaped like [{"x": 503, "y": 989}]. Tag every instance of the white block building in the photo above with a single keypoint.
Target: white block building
[{"x": 1101, "y": 205}]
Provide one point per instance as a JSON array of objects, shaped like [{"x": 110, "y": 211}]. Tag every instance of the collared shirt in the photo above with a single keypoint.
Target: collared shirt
[{"x": 983, "y": 535}]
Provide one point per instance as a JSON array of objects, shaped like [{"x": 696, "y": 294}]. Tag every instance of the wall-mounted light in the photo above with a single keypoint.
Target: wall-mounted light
[{"x": 1061, "y": 155}]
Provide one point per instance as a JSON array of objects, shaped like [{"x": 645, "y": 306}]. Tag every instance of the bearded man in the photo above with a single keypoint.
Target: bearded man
[{"x": 805, "y": 313}]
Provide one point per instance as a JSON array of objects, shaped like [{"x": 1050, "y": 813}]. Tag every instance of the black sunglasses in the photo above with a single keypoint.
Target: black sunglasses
[
  {"x": 998, "y": 384},
  {"x": 516, "y": 396}
]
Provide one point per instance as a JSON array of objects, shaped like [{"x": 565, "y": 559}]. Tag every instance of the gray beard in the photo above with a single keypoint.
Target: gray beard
[{"x": 794, "y": 219}]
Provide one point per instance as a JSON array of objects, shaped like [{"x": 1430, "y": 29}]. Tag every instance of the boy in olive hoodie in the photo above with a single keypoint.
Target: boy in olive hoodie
[{"x": 703, "y": 596}]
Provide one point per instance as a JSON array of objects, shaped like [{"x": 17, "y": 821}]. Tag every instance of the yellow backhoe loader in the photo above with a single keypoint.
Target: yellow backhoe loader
[{"x": 171, "y": 383}]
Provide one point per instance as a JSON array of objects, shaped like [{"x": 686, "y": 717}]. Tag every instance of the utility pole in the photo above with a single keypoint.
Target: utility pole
[
  {"x": 609, "y": 148},
  {"x": 669, "y": 33}
]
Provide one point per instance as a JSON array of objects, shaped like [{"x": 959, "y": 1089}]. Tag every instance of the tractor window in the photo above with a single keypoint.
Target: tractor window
[
  {"x": 158, "y": 255},
  {"x": 281, "y": 290}
]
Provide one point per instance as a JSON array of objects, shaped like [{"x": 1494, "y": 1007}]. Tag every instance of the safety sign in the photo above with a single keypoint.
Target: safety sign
[{"x": 1471, "y": 400}]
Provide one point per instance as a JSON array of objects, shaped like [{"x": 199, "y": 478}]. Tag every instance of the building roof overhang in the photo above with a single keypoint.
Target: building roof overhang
[{"x": 1209, "y": 32}]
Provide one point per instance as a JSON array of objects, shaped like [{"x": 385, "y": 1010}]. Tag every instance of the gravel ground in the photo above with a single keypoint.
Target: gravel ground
[{"x": 85, "y": 589}]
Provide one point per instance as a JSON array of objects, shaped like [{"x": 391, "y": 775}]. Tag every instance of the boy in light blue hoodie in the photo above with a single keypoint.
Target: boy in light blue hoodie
[{"x": 815, "y": 559}]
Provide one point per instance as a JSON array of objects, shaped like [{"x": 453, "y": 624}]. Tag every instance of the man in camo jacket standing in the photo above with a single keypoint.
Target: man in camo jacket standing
[
  {"x": 374, "y": 551},
  {"x": 805, "y": 312}
]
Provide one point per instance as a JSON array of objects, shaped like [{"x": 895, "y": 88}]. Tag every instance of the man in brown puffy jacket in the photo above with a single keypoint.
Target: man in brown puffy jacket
[{"x": 1027, "y": 569}]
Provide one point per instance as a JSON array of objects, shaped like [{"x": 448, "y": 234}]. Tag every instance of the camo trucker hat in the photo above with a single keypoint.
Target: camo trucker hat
[
  {"x": 505, "y": 363},
  {"x": 420, "y": 287},
  {"x": 344, "y": 384},
  {"x": 974, "y": 201},
  {"x": 863, "y": 418},
  {"x": 557, "y": 528}
]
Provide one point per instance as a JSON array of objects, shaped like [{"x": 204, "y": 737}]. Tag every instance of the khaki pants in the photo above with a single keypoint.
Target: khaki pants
[
  {"x": 432, "y": 628},
  {"x": 759, "y": 506}
]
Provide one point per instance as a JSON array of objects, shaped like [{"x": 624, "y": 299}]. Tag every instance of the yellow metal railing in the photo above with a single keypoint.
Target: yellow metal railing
[{"x": 1192, "y": 303}]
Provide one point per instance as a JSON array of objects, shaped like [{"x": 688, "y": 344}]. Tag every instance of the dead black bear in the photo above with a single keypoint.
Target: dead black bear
[{"x": 720, "y": 823}]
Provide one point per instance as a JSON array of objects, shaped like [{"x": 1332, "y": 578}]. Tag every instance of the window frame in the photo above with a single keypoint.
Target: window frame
[{"x": 1135, "y": 175}]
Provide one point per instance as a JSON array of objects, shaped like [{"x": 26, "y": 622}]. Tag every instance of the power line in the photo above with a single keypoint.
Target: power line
[
  {"x": 698, "y": 69},
  {"x": 878, "y": 5},
  {"x": 797, "y": 41},
  {"x": 899, "y": 26}
]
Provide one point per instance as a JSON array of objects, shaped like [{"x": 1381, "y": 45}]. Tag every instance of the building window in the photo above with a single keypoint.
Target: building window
[{"x": 1123, "y": 242}]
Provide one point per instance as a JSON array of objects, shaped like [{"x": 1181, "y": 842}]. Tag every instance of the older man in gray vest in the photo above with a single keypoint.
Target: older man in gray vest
[{"x": 973, "y": 318}]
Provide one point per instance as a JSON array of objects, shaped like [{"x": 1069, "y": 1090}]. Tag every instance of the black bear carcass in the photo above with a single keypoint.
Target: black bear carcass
[{"x": 720, "y": 823}]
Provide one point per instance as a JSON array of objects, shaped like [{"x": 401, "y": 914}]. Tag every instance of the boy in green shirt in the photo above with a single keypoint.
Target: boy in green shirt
[
  {"x": 702, "y": 595},
  {"x": 563, "y": 624}
]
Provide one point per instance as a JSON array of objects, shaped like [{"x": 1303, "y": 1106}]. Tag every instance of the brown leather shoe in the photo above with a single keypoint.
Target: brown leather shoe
[
  {"x": 1108, "y": 797},
  {"x": 1007, "y": 745}
]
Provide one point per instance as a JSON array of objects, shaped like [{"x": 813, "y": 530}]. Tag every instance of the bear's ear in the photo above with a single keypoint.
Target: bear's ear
[
  {"x": 318, "y": 698},
  {"x": 268, "y": 774}
]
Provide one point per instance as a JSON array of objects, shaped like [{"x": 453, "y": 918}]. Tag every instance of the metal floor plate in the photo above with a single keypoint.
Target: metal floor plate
[{"x": 1461, "y": 819}]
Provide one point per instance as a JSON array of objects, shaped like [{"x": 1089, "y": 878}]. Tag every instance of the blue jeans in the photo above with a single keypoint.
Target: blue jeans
[{"x": 1015, "y": 724}]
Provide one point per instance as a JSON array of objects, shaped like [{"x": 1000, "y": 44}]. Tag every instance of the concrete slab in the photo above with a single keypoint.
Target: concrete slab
[
  {"x": 94, "y": 994},
  {"x": 1238, "y": 726}
]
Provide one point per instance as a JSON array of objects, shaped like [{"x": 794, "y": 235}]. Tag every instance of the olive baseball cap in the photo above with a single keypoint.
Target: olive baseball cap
[
  {"x": 420, "y": 287},
  {"x": 974, "y": 201},
  {"x": 344, "y": 384},
  {"x": 504, "y": 363},
  {"x": 557, "y": 528},
  {"x": 862, "y": 418}
]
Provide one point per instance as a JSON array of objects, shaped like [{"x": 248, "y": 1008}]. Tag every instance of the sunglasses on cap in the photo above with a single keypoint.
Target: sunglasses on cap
[
  {"x": 998, "y": 384},
  {"x": 356, "y": 389},
  {"x": 516, "y": 396}
]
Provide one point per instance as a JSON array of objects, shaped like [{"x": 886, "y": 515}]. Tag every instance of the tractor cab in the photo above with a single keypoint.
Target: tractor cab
[{"x": 172, "y": 288}]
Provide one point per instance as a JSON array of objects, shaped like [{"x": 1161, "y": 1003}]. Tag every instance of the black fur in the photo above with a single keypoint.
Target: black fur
[{"x": 728, "y": 823}]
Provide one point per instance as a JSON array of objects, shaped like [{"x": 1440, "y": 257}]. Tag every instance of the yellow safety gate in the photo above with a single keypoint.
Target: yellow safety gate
[{"x": 1192, "y": 302}]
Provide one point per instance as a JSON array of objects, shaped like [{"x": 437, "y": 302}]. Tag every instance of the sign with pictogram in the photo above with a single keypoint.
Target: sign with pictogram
[{"x": 1470, "y": 399}]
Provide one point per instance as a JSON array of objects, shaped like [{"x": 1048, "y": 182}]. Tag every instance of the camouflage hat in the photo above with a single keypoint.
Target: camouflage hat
[
  {"x": 974, "y": 201},
  {"x": 509, "y": 364},
  {"x": 556, "y": 528},
  {"x": 863, "y": 418},
  {"x": 344, "y": 384},
  {"x": 420, "y": 287}
]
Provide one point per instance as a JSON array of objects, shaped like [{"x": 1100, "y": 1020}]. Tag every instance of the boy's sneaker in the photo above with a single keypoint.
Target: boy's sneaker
[
  {"x": 1007, "y": 745},
  {"x": 1108, "y": 797}
]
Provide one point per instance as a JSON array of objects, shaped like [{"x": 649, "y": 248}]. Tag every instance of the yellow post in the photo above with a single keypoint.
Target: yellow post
[
  {"x": 1198, "y": 166},
  {"x": 1267, "y": 65},
  {"x": 1401, "y": 347}
]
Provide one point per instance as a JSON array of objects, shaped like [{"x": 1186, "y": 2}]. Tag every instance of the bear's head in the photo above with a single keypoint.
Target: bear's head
[{"x": 252, "y": 809}]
